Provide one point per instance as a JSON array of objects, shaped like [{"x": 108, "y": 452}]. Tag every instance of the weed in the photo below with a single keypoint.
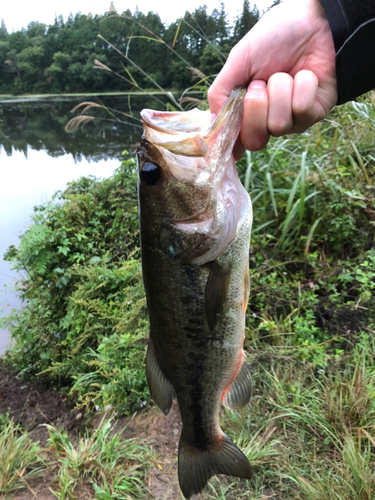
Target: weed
[
  {"x": 20, "y": 458},
  {"x": 102, "y": 462}
]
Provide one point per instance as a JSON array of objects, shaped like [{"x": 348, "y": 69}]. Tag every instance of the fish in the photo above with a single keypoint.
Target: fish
[{"x": 195, "y": 221}]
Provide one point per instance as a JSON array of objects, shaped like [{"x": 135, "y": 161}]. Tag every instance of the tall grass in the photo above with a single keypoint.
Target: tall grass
[
  {"x": 101, "y": 463},
  {"x": 20, "y": 459},
  {"x": 292, "y": 181},
  {"x": 308, "y": 435}
]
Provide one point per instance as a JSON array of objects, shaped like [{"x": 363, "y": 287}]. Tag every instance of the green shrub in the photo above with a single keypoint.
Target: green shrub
[{"x": 84, "y": 323}]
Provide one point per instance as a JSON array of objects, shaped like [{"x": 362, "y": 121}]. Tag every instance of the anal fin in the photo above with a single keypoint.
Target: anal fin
[
  {"x": 161, "y": 389},
  {"x": 239, "y": 393}
]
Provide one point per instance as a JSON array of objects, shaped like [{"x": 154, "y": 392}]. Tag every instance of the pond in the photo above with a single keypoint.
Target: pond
[{"x": 38, "y": 157}]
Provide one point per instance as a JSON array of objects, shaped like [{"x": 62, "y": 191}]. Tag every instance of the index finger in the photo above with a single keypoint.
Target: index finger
[{"x": 235, "y": 72}]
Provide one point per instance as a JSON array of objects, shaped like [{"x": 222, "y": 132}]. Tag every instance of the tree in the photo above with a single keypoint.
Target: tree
[
  {"x": 211, "y": 61},
  {"x": 61, "y": 57},
  {"x": 245, "y": 22},
  {"x": 3, "y": 31},
  {"x": 222, "y": 31}
]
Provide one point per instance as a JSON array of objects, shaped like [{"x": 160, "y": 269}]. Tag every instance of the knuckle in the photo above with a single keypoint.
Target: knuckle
[
  {"x": 257, "y": 145},
  {"x": 210, "y": 93},
  {"x": 302, "y": 108},
  {"x": 255, "y": 98},
  {"x": 280, "y": 79}
]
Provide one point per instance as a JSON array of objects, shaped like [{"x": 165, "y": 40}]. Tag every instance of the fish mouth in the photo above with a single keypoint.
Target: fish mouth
[
  {"x": 194, "y": 148},
  {"x": 189, "y": 132},
  {"x": 181, "y": 133}
]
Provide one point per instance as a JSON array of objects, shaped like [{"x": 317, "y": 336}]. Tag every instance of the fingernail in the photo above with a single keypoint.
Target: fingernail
[{"x": 257, "y": 85}]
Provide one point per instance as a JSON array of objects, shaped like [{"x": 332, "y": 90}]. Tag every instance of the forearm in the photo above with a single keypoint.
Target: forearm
[{"x": 352, "y": 23}]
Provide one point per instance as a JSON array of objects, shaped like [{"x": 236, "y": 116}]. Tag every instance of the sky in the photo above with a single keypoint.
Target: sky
[{"x": 20, "y": 13}]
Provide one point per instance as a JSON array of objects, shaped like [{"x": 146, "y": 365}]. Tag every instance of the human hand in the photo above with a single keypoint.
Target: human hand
[{"x": 287, "y": 63}]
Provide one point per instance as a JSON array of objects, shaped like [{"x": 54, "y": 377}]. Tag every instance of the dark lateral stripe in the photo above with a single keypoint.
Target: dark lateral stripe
[{"x": 196, "y": 367}]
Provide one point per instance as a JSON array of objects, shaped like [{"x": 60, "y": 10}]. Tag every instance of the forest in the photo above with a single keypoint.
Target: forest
[{"x": 138, "y": 47}]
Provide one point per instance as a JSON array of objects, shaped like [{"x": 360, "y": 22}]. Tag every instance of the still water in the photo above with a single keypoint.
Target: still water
[{"x": 38, "y": 158}]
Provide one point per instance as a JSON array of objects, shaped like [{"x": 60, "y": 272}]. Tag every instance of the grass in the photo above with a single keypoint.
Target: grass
[
  {"x": 20, "y": 458},
  {"x": 299, "y": 180},
  {"x": 101, "y": 464},
  {"x": 91, "y": 94},
  {"x": 309, "y": 434}
]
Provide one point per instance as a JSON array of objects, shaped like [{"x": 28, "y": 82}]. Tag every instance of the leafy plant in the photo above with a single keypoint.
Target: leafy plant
[
  {"x": 85, "y": 322},
  {"x": 102, "y": 462},
  {"x": 20, "y": 458}
]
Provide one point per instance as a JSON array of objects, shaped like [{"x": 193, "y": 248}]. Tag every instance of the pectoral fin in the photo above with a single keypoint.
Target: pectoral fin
[
  {"x": 240, "y": 391},
  {"x": 216, "y": 293},
  {"x": 161, "y": 389}
]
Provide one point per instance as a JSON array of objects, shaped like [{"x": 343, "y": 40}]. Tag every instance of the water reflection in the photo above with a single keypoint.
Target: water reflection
[
  {"x": 38, "y": 158},
  {"x": 39, "y": 124}
]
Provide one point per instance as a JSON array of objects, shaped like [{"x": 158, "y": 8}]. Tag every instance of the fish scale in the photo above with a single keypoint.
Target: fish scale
[{"x": 195, "y": 223}]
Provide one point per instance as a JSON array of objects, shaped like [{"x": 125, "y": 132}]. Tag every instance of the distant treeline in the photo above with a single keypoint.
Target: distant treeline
[{"x": 66, "y": 56}]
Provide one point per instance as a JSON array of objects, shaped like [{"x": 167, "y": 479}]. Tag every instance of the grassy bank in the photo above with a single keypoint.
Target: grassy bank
[
  {"x": 308, "y": 434},
  {"x": 310, "y": 321},
  {"x": 98, "y": 464}
]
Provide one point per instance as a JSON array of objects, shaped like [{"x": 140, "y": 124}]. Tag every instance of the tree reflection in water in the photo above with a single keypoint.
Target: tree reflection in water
[{"x": 39, "y": 124}]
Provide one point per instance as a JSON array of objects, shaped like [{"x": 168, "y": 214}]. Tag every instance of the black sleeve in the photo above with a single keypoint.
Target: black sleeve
[{"x": 352, "y": 23}]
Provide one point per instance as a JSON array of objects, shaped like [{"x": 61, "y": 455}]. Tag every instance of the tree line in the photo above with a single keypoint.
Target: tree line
[{"x": 82, "y": 53}]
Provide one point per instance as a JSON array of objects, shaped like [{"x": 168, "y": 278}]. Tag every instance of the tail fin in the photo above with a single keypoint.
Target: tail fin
[{"x": 196, "y": 467}]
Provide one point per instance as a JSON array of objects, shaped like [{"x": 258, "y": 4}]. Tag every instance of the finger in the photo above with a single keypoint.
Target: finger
[
  {"x": 234, "y": 73},
  {"x": 254, "y": 133},
  {"x": 238, "y": 149},
  {"x": 306, "y": 110},
  {"x": 280, "y": 117}
]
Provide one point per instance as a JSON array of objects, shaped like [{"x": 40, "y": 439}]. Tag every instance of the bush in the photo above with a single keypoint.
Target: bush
[
  {"x": 84, "y": 323},
  {"x": 313, "y": 241}
]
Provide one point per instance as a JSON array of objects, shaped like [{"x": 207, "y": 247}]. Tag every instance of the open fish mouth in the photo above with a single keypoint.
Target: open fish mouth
[{"x": 191, "y": 134}]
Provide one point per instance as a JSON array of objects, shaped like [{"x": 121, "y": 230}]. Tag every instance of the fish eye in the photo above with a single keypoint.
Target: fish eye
[{"x": 150, "y": 173}]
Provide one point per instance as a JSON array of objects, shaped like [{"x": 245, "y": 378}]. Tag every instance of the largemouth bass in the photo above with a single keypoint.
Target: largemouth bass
[{"x": 195, "y": 223}]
